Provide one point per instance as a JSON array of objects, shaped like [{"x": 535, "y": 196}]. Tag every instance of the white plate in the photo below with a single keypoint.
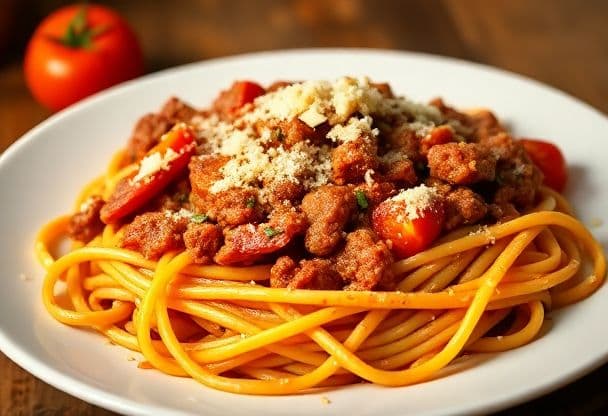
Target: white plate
[{"x": 41, "y": 174}]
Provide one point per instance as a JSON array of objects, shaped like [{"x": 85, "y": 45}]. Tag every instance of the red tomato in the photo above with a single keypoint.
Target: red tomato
[
  {"x": 439, "y": 135},
  {"x": 239, "y": 94},
  {"x": 131, "y": 195},
  {"x": 77, "y": 51},
  {"x": 549, "y": 160},
  {"x": 407, "y": 237},
  {"x": 250, "y": 243}
]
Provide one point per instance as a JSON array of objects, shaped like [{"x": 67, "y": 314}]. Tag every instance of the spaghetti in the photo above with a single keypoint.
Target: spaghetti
[{"x": 476, "y": 289}]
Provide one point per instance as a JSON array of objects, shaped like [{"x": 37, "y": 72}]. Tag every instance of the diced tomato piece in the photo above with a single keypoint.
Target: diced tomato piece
[
  {"x": 406, "y": 236},
  {"x": 549, "y": 160},
  {"x": 239, "y": 94},
  {"x": 246, "y": 244},
  {"x": 130, "y": 195},
  {"x": 439, "y": 135}
]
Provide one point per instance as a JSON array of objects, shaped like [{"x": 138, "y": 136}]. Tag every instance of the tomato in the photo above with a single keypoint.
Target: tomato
[
  {"x": 246, "y": 244},
  {"x": 130, "y": 194},
  {"x": 77, "y": 51},
  {"x": 249, "y": 243},
  {"x": 439, "y": 135},
  {"x": 239, "y": 94},
  {"x": 549, "y": 160},
  {"x": 407, "y": 236}
]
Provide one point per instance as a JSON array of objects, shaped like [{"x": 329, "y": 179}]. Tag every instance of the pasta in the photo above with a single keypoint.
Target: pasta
[{"x": 479, "y": 288}]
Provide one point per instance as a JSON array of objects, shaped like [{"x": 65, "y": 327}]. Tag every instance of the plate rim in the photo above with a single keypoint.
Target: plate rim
[{"x": 118, "y": 403}]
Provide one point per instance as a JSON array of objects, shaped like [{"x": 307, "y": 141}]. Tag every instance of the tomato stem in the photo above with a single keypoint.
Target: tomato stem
[{"x": 78, "y": 33}]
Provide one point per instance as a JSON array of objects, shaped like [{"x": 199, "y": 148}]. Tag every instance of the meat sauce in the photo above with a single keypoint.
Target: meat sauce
[{"x": 314, "y": 224}]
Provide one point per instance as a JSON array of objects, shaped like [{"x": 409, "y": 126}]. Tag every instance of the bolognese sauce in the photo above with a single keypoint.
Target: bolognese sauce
[{"x": 330, "y": 182}]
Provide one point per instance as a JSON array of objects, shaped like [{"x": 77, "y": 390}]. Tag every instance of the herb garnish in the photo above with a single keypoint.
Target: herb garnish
[
  {"x": 250, "y": 202},
  {"x": 271, "y": 232},
  {"x": 199, "y": 218},
  {"x": 361, "y": 199}
]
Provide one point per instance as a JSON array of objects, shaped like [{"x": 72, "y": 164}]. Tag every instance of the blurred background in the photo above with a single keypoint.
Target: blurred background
[{"x": 563, "y": 43}]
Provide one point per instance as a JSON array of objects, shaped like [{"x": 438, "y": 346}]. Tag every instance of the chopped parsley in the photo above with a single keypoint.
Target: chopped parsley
[
  {"x": 199, "y": 218},
  {"x": 361, "y": 199},
  {"x": 271, "y": 232},
  {"x": 250, "y": 202}
]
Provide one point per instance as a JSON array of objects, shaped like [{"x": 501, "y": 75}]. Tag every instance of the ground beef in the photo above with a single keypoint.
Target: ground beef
[
  {"x": 376, "y": 192},
  {"x": 316, "y": 274},
  {"x": 294, "y": 131},
  {"x": 283, "y": 192},
  {"x": 384, "y": 88},
  {"x": 485, "y": 124},
  {"x": 441, "y": 186},
  {"x": 231, "y": 207},
  {"x": 350, "y": 160},
  {"x": 365, "y": 263},
  {"x": 203, "y": 241},
  {"x": 519, "y": 183},
  {"x": 204, "y": 171},
  {"x": 283, "y": 272},
  {"x": 461, "y": 163},
  {"x": 177, "y": 111},
  {"x": 154, "y": 234},
  {"x": 175, "y": 197},
  {"x": 246, "y": 244},
  {"x": 401, "y": 171},
  {"x": 328, "y": 209},
  {"x": 463, "y": 206},
  {"x": 516, "y": 175},
  {"x": 404, "y": 140},
  {"x": 451, "y": 113},
  {"x": 234, "y": 206},
  {"x": 503, "y": 147},
  {"x": 146, "y": 135},
  {"x": 86, "y": 224},
  {"x": 503, "y": 212}
]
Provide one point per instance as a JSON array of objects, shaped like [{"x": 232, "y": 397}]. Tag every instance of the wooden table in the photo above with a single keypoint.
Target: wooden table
[{"x": 562, "y": 43}]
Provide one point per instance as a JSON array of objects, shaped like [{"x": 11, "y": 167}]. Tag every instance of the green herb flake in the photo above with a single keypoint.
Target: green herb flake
[
  {"x": 250, "y": 202},
  {"x": 361, "y": 199},
  {"x": 271, "y": 232},
  {"x": 199, "y": 218}
]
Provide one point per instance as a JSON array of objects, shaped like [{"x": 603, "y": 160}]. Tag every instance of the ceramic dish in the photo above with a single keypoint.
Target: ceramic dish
[{"x": 40, "y": 174}]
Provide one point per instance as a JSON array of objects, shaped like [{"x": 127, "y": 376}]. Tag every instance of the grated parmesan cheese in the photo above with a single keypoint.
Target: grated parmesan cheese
[
  {"x": 355, "y": 128},
  {"x": 336, "y": 101},
  {"x": 369, "y": 180},
  {"x": 417, "y": 200},
  {"x": 153, "y": 163},
  {"x": 348, "y": 104},
  {"x": 177, "y": 215},
  {"x": 313, "y": 117},
  {"x": 393, "y": 156}
]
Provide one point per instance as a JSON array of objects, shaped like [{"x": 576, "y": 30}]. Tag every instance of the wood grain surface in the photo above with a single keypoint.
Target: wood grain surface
[{"x": 561, "y": 43}]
